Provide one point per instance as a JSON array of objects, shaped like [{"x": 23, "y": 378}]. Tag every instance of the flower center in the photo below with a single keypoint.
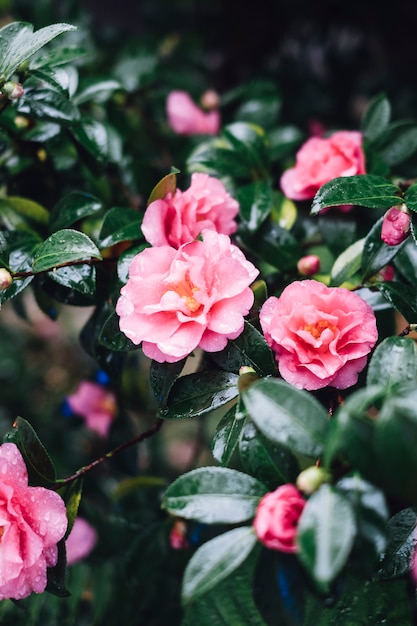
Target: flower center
[
  {"x": 185, "y": 289},
  {"x": 1, "y": 532},
  {"x": 316, "y": 329}
]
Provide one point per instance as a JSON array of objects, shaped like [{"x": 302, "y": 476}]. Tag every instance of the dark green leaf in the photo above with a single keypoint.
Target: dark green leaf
[
  {"x": 402, "y": 542},
  {"x": 275, "y": 245},
  {"x": 29, "y": 210},
  {"x": 406, "y": 262},
  {"x": 377, "y": 254},
  {"x": 364, "y": 190},
  {"x": 393, "y": 362},
  {"x": 71, "y": 494},
  {"x": 376, "y": 117},
  {"x": 112, "y": 338},
  {"x": 410, "y": 197},
  {"x": 93, "y": 137},
  {"x": 58, "y": 56},
  {"x": 215, "y": 560},
  {"x": 217, "y": 158},
  {"x": 226, "y": 436},
  {"x": 347, "y": 263},
  {"x": 81, "y": 278},
  {"x": 56, "y": 574},
  {"x": 401, "y": 297},
  {"x": 256, "y": 201},
  {"x": 196, "y": 394},
  {"x": 287, "y": 416},
  {"x": 249, "y": 142},
  {"x": 339, "y": 230},
  {"x": 18, "y": 257},
  {"x": 120, "y": 224},
  {"x": 214, "y": 495},
  {"x": 72, "y": 207},
  {"x": 64, "y": 246},
  {"x": 397, "y": 142},
  {"x": 48, "y": 105},
  {"x": 97, "y": 90},
  {"x": 326, "y": 532},
  {"x": 125, "y": 259}
]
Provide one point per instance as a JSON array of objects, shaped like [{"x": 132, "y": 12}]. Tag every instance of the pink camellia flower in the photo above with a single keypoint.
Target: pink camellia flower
[
  {"x": 396, "y": 225},
  {"x": 320, "y": 335},
  {"x": 81, "y": 540},
  {"x": 176, "y": 300},
  {"x": 320, "y": 160},
  {"x": 181, "y": 217},
  {"x": 277, "y": 516},
  {"x": 96, "y": 404},
  {"x": 32, "y": 522},
  {"x": 186, "y": 118}
]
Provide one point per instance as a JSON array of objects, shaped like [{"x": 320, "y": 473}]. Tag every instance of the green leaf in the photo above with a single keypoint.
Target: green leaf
[
  {"x": 376, "y": 117},
  {"x": 64, "y": 246},
  {"x": 275, "y": 245},
  {"x": 250, "y": 142},
  {"x": 72, "y": 207},
  {"x": 20, "y": 246},
  {"x": 215, "y": 560},
  {"x": 226, "y": 436},
  {"x": 216, "y": 157},
  {"x": 397, "y": 142},
  {"x": 18, "y": 42},
  {"x": 401, "y": 297},
  {"x": 120, "y": 224},
  {"x": 28, "y": 209},
  {"x": 249, "y": 349},
  {"x": 93, "y": 137},
  {"x": 271, "y": 463},
  {"x": 81, "y": 278},
  {"x": 98, "y": 90},
  {"x": 71, "y": 494},
  {"x": 125, "y": 260},
  {"x": 406, "y": 262},
  {"x": 364, "y": 190},
  {"x": 410, "y": 197},
  {"x": 326, "y": 532},
  {"x": 402, "y": 542},
  {"x": 256, "y": 201},
  {"x": 347, "y": 263},
  {"x": 38, "y": 462},
  {"x": 288, "y": 416},
  {"x": 196, "y": 394},
  {"x": 48, "y": 105},
  {"x": 112, "y": 338},
  {"x": 376, "y": 254},
  {"x": 394, "y": 362},
  {"x": 162, "y": 377},
  {"x": 166, "y": 185},
  {"x": 59, "y": 56},
  {"x": 214, "y": 495}
]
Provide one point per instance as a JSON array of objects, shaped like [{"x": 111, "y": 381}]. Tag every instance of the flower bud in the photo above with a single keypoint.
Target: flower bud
[
  {"x": 396, "y": 225},
  {"x": 12, "y": 90},
  {"x": 308, "y": 265},
  {"x": 210, "y": 100},
  {"x": 310, "y": 479},
  {"x": 5, "y": 279}
]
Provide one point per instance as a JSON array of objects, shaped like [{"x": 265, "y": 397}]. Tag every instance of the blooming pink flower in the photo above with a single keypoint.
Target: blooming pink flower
[
  {"x": 308, "y": 265},
  {"x": 81, "y": 540},
  {"x": 395, "y": 226},
  {"x": 320, "y": 335},
  {"x": 96, "y": 404},
  {"x": 277, "y": 516},
  {"x": 186, "y": 118},
  {"x": 181, "y": 217},
  {"x": 320, "y": 160},
  {"x": 32, "y": 522},
  {"x": 176, "y": 300}
]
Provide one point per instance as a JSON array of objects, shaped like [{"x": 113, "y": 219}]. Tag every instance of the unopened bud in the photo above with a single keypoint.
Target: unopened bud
[
  {"x": 5, "y": 279},
  {"x": 308, "y": 265},
  {"x": 12, "y": 90},
  {"x": 247, "y": 376},
  {"x": 310, "y": 479},
  {"x": 396, "y": 225},
  {"x": 210, "y": 100},
  {"x": 21, "y": 122}
]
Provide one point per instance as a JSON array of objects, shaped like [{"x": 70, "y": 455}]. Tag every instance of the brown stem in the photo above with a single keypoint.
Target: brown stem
[{"x": 86, "y": 468}]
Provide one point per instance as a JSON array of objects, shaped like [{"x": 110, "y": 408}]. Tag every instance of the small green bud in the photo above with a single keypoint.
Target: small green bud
[
  {"x": 310, "y": 479},
  {"x": 12, "y": 90}
]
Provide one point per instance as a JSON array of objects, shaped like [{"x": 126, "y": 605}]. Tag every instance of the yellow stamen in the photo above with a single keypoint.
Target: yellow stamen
[
  {"x": 185, "y": 289},
  {"x": 316, "y": 329}
]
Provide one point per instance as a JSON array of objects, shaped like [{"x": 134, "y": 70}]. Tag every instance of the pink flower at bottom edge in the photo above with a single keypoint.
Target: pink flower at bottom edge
[
  {"x": 32, "y": 522},
  {"x": 96, "y": 404},
  {"x": 81, "y": 540},
  {"x": 186, "y": 118}
]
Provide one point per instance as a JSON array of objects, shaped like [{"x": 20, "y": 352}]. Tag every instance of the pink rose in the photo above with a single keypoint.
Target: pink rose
[
  {"x": 81, "y": 540},
  {"x": 181, "y": 217},
  {"x": 176, "y": 300},
  {"x": 32, "y": 522},
  {"x": 96, "y": 404},
  {"x": 186, "y": 118},
  {"x": 277, "y": 516},
  {"x": 320, "y": 335},
  {"x": 320, "y": 160},
  {"x": 395, "y": 226}
]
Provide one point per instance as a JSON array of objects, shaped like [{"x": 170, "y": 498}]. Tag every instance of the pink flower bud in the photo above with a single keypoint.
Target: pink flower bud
[
  {"x": 310, "y": 479},
  {"x": 396, "y": 225},
  {"x": 12, "y": 90},
  {"x": 5, "y": 279},
  {"x": 308, "y": 265},
  {"x": 210, "y": 100},
  {"x": 387, "y": 273}
]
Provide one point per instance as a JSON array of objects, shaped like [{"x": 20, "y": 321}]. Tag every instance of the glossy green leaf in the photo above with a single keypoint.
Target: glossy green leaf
[
  {"x": 364, "y": 190},
  {"x": 92, "y": 136},
  {"x": 249, "y": 349},
  {"x": 284, "y": 141},
  {"x": 326, "y": 532},
  {"x": 215, "y": 560},
  {"x": 56, "y": 57},
  {"x": 48, "y": 105},
  {"x": 401, "y": 297},
  {"x": 214, "y": 495},
  {"x": 28, "y": 209},
  {"x": 226, "y": 436},
  {"x": 17, "y": 255},
  {"x": 111, "y": 336},
  {"x": 394, "y": 362},
  {"x": 120, "y": 224},
  {"x": 81, "y": 278},
  {"x": 71, "y": 494},
  {"x": 166, "y": 185},
  {"x": 72, "y": 207},
  {"x": 410, "y": 197},
  {"x": 377, "y": 254},
  {"x": 38, "y": 462},
  {"x": 376, "y": 117},
  {"x": 97, "y": 90},
  {"x": 56, "y": 575},
  {"x": 162, "y": 377},
  {"x": 275, "y": 245},
  {"x": 287, "y": 416},
  {"x": 405, "y": 262},
  {"x": 347, "y": 263},
  {"x": 339, "y": 230},
  {"x": 18, "y": 42},
  {"x": 271, "y": 463},
  {"x": 64, "y": 246},
  {"x": 125, "y": 260},
  {"x": 402, "y": 543},
  {"x": 256, "y": 201},
  {"x": 397, "y": 142},
  {"x": 196, "y": 394},
  {"x": 216, "y": 157},
  {"x": 249, "y": 141}
]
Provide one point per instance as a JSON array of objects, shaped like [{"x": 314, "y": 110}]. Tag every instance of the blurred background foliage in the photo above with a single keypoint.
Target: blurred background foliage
[{"x": 291, "y": 64}]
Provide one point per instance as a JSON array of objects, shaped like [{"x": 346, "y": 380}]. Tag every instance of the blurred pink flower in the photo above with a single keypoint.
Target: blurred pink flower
[
  {"x": 178, "y": 535},
  {"x": 176, "y": 300},
  {"x": 96, "y": 404},
  {"x": 81, "y": 540},
  {"x": 186, "y": 118},
  {"x": 321, "y": 159},
  {"x": 395, "y": 226},
  {"x": 277, "y": 516},
  {"x": 181, "y": 217},
  {"x": 32, "y": 522},
  {"x": 320, "y": 335}
]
